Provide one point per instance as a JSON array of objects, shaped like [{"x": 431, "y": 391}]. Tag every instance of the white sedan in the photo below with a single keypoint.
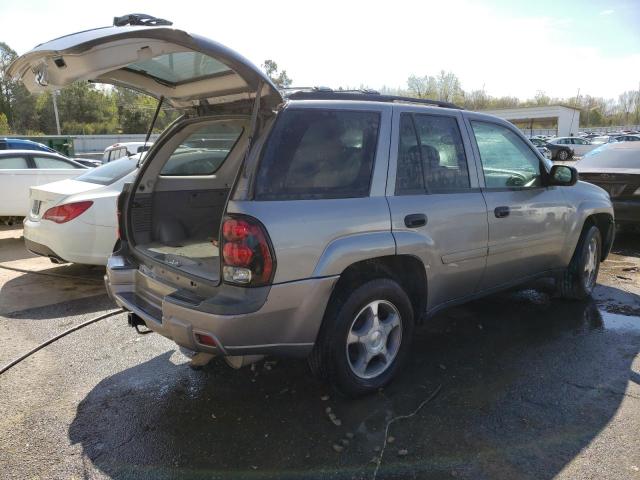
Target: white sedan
[
  {"x": 75, "y": 220},
  {"x": 22, "y": 169}
]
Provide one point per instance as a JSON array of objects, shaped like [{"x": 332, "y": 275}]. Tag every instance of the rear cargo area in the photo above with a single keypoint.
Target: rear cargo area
[{"x": 178, "y": 207}]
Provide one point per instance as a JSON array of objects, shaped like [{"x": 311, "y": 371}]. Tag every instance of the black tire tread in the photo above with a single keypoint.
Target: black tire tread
[{"x": 569, "y": 283}]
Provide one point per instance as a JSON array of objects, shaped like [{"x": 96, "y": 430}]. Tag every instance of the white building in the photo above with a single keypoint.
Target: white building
[{"x": 566, "y": 119}]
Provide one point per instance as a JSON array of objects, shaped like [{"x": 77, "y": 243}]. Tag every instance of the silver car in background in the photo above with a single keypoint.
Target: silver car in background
[{"x": 324, "y": 225}]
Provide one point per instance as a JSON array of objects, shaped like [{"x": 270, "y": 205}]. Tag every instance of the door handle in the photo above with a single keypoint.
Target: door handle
[
  {"x": 501, "y": 212},
  {"x": 415, "y": 220}
]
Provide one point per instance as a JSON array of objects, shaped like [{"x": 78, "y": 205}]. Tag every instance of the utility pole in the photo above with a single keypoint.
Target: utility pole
[
  {"x": 575, "y": 106},
  {"x": 54, "y": 94}
]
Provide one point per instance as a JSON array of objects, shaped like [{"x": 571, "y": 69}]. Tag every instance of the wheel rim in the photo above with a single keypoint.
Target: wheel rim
[
  {"x": 591, "y": 264},
  {"x": 563, "y": 155},
  {"x": 374, "y": 338}
]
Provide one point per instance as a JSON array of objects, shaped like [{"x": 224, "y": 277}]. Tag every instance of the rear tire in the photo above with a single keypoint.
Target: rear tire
[
  {"x": 365, "y": 338},
  {"x": 563, "y": 155},
  {"x": 579, "y": 279}
]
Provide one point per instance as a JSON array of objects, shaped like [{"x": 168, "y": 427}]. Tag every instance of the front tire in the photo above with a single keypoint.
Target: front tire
[
  {"x": 563, "y": 155},
  {"x": 579, "y": 280},
  {"x": 365, "y": 337}
]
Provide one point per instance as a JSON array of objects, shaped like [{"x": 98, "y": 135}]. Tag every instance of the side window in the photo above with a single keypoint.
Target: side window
[
  {"x": 431, "y": 156},
  {"x": 49, "y": 162},
  {"x": 205, "y": 150},
  {"x": 13, "y": 163},
  {"x": 316, "y": 154},
  {"x": 507, "y": 161}
]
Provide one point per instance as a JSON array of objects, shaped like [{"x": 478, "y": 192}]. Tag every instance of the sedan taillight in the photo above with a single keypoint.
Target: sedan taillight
[
  {"x": 247, "y": 257},
  {"x": 69, "y": 211}
]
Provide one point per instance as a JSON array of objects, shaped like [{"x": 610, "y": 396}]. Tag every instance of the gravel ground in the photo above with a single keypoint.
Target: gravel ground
[{"x": 526, "y": 387}]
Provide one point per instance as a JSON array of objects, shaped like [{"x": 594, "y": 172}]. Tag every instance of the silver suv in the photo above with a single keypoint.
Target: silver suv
[{"x": 324, "y": 225}]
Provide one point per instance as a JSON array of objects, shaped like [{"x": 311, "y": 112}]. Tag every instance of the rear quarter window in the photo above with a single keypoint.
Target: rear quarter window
[{"x": 318, "y": 154}]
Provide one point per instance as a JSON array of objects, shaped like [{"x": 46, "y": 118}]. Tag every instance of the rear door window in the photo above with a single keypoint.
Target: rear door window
[
  {"x": 318, "y": 154},
  {"x": 50, "y": 162},
  {"x": 204, "y": 151},
  {"x": 11, "y": 163},
  {"x": 431, "y": 156}
]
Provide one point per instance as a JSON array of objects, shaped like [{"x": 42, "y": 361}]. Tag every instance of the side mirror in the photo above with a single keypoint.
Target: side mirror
[{"x": 563, "y": 175}]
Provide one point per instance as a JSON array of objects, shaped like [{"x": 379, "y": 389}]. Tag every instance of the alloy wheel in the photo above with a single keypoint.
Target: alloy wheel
[{"x": 374, "y": 339}]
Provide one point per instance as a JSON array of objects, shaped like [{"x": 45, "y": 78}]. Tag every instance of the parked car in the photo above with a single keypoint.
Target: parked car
[
  {"x": 75, "y": 220},
  {"x": 558, "y": 152},
  {"x": 124, "y": 149},
  {"x": 602, "y": 139},
  {"x": 22, "y": 144},
  {"x": 342, "y": 219},
  {"x": 22, "y": 169},
  {"x": 627, "y": 138},
  {"x": 546, "y": 153},
  {"x": 615, "y": 167},
  {"x": 580, "y": 146}
]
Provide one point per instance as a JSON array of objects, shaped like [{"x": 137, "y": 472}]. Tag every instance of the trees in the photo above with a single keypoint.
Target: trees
[
  {"x": 4, "y": 124},
  {"x": 279, "y": 78}
]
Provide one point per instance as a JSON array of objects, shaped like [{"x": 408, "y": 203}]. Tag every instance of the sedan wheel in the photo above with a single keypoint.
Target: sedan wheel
[{"x": 563, "y": 155}]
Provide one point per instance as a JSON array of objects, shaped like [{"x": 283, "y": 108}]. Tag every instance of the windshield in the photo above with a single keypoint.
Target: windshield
[
  {"x": 608, "y": 156},
  {"x": 109, "y": 173}
]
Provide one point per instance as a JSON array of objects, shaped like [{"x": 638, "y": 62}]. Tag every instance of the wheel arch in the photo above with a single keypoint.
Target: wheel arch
[
  {"x": 605, "y": 224},
  {"x": 407, "y": 270}
]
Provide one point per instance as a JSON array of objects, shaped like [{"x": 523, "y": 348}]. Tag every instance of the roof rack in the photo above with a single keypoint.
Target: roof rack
[{"x": 323, "y": 93}]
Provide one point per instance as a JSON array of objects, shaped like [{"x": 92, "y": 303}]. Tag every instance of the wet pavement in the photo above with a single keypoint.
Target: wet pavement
[{"x": 517, "y": 385}]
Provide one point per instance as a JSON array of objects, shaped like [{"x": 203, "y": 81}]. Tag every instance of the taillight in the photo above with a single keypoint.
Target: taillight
[
  {"x": 247, "y": 257},
  {"x": 69, "y": 211}
]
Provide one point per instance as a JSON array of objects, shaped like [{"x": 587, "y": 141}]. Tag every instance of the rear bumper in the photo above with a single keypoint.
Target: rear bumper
[
  {"x": 43, "y": 250},
  {"x": 287, "y": 323},
  {"x": 76, "y": 241},
  {"x": 627, "y": 211}
]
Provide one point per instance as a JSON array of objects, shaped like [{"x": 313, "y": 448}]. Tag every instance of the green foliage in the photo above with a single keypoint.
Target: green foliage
[
  {"x": 135, "y": 112},
  {"x": 4, "y": 124},
  {"x": 279, "y": 78}
]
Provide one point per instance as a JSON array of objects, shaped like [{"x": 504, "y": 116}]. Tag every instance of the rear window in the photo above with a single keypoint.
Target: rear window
[
  {"x": 316, "y": 154},
  {"x": 180, "y": 67},
  {"x": 204, "y": 151},
  {"x": 109, "y": 173}
]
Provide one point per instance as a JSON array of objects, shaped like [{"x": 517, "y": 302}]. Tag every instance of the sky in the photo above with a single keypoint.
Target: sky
[{"x": 507, "y": 47}]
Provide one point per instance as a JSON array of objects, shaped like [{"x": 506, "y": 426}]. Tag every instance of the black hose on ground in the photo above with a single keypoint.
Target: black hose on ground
[{"x": 58, "y": 337}]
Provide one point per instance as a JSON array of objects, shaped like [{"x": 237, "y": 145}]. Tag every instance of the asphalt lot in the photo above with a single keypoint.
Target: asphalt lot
[{"x": 528, "y": 387}]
